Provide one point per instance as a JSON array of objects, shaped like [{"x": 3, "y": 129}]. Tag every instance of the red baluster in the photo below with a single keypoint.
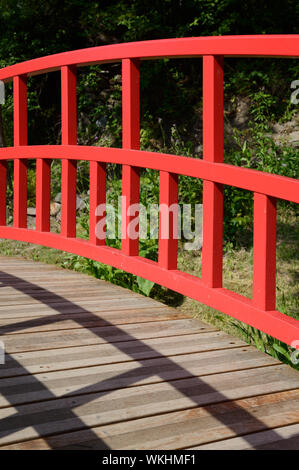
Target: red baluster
[
  {"x": 20, "y": 138},
  {"x": 68, "y": 137},
  {"x": 131, "y": 140},
  {"x": 264, "y": 252},
  {"x": 97, "y": 199},
  {"x": 212, "y": 152},
  {"x": 168, "y": 220}
]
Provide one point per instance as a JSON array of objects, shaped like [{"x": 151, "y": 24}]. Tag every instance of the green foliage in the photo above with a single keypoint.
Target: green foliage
[
  {"x": 170, "y": 89},
  {"x": 255, "y": 149},
  {"x": 267, "y": 344},
  {"x": 145, "y": 285}
]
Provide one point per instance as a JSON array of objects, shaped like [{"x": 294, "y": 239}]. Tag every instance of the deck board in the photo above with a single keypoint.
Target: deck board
[{"x": 90, "y": 365}]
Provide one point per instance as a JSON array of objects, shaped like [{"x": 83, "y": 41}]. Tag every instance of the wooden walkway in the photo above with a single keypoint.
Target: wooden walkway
[{"x": 90, "y": 365}]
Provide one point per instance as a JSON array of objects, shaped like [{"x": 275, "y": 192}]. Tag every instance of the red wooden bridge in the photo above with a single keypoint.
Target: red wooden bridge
[{"x": 90, "y": 365}]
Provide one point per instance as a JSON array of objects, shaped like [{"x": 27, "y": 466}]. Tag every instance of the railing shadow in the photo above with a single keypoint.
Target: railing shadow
[{"x": 102, "y": 387}]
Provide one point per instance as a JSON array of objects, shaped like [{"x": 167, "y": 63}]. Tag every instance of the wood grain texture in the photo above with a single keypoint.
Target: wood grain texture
[{"x": 90, "y": 365}]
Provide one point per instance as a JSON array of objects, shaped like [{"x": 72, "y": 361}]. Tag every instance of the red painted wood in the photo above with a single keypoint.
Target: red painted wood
[
  {"x": 43, "y": 194},
  {"x": 211, "y": 270},
  {"x": 20, "y": 138},
  {"x": 277, "y": 186},
  {"x": 168, "y": 220},
  {"x": 279, "y": 45},
  {"x": 68, "y": 137},
  {"x": 3, "y": 187},
  {"x": 264, "y": 252},
  {"x": 97, "y": 197},
  {"x": 131, "y": 140},
  {"x": 258, "y": 312}
]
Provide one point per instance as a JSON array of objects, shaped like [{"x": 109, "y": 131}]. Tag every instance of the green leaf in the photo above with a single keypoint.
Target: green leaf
[
  {"x": 281, "y": 350},
  {"x": 144, "y": 285}
]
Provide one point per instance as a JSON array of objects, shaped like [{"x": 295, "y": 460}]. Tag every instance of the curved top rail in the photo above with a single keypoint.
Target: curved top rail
[{"x": 230, "y": 46}]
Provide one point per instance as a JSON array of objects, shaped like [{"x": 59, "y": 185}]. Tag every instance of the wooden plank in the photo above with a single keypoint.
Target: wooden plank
[
  {"x": 25, "y": 389},
  {"x": 27, "y": 286},
  {"x": 56, "y": 339},
  {"x": 86, "y": 356},
  {"x": 69, "y": 307},
  {"x": 20, "y": 298},
  {"x": 83, "y": 300},
  {"x": 34, "y": 282},
  {"x": 180, "y": 429},
  {"x": 87, "y": 320},
  {"x": 94, "y": 409},
  {"x": 282, "y": 438},
  {"x": 108, "y": 306},
  {"x": 36, "y": 274}
]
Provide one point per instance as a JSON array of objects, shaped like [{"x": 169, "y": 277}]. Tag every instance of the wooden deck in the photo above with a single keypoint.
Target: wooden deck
[{"x": 90, "y": 365}]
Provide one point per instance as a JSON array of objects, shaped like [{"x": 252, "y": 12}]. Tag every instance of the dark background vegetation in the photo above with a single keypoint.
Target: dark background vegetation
[{"x": 170, "y": 89}]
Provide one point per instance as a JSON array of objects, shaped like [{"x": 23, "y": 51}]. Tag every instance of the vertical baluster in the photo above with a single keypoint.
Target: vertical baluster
[
  {"x": 20, "y": 138},
  {"x": 213, "y": 152},
  {"x": 3, "y": 187},
  {"x": 97, "y": 199},
  {"x": 43, "y": 194},
  {"x": 131, "y": 140},
  {"x": 68, "y": 137},
  {"x": 264, "y": 252},
  {"x": 168, "y": 220}
]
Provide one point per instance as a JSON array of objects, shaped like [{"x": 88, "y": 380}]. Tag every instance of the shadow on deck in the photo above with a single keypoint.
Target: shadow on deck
[{"x": 90, "y": 365}]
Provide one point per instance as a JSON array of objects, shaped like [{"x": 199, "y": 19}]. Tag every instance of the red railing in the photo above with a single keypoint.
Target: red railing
[{"x": 259, "y": 311}]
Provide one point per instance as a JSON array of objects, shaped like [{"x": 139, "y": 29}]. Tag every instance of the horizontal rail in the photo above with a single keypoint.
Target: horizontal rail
[
  {"x": 229, "y": 46},
  {"x": 277, "y": 186}
]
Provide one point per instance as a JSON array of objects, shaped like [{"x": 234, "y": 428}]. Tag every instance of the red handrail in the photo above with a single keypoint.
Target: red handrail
[{"x": 259, "y": 311}]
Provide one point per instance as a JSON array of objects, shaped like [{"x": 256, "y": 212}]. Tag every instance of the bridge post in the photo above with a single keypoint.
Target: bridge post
[
  {"x": 131, "y": 140},
  {"x": 97, "y": 197},
  {"x": 43, "y": 194},
  {"x": 68, "y": 137},
  {"x": 212, "y": 152},
  {"x": 168, "y": 196},
  {"x": 20, "y": 138},
  {"x": 264, "y": 252}
]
